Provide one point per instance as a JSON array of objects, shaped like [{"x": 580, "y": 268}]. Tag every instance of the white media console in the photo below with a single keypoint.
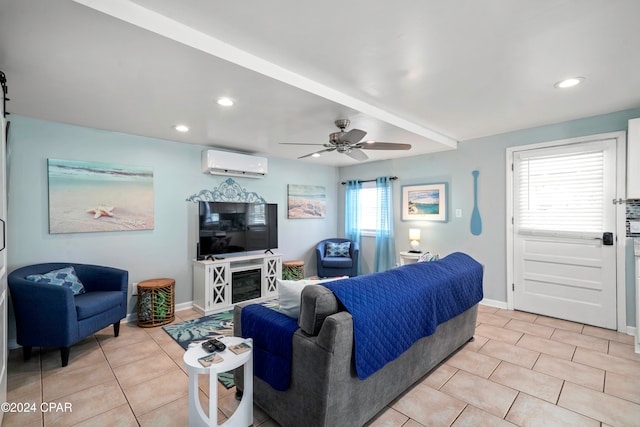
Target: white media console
[{"x": 219, "y": 284}]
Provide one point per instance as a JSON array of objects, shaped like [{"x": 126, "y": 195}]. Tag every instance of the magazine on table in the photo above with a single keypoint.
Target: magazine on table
[
  {"x": 240, "y": 347},
  {"x": 210, "y": 359}
]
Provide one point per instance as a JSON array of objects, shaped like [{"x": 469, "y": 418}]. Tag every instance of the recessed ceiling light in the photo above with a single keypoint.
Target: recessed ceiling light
[
  {"x": 315, "y": 155},
  {"x": 181, "y": 128},
  {"x": 225, "y": 102},
  {"x": 573, "y": 81}
]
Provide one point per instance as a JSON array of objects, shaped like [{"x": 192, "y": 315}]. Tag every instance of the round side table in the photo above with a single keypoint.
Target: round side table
[
  {"x": 243, "y": 415},
  {"x": 156, "y": 301},
  {"x": 293, "y": 270}
]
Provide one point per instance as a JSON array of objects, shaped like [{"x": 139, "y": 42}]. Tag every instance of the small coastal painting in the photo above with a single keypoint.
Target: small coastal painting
[
  {"x": 426, "y": 202},
  {"x": 89, "y": 197},
  {"x": 306, "y": 201}
]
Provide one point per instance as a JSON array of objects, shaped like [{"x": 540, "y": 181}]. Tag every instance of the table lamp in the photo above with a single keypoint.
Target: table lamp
[{"x": 414, "y": 238}]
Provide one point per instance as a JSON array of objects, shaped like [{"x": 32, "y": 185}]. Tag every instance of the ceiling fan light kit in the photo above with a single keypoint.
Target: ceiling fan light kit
[{"x": 349, "y": 143}]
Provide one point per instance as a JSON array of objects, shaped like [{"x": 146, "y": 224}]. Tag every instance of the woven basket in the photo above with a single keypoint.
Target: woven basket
[
  {"x": 293, "y": 270},
  {"x": 156, "y": 302}
]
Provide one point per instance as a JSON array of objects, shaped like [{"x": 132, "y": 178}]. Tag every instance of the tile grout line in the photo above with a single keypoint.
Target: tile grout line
[{"x": 126, "y": 398}]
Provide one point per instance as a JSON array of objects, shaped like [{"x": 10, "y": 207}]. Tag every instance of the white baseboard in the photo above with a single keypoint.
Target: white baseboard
[
  {"x": 184, "y": 306},
  {"x": 132, "y": 317},
  {"x": 494, "y": 303},
  {"x": 631, "y": 330}
]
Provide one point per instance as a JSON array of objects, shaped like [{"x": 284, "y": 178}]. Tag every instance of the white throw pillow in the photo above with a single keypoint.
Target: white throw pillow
[{"x": 290, "y": 293}]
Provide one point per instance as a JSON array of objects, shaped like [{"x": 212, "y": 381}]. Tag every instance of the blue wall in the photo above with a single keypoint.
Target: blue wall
[
  {"x": 167, "y": 250},
  {"x": 488, "y": 155}
]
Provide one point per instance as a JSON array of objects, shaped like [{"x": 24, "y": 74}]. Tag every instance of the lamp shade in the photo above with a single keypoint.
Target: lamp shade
[{"x": 414, "y": 239}]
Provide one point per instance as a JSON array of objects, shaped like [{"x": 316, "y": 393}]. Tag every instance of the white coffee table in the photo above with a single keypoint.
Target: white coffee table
[{"x": 243, "y": 415}]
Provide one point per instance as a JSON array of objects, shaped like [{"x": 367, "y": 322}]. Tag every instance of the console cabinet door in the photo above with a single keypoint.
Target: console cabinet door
[
  {"x": 272, "y": 271},
  {"x": 218, "y": 290}
]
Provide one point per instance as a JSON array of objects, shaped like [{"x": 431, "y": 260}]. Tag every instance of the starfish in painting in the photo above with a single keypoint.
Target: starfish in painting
[{"x": 101, "y": 211}]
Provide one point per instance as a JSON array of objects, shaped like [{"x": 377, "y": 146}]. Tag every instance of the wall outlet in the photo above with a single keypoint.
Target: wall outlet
[
  {"x": 134, "y": 288},
  {"x": 458, "y": 213}
]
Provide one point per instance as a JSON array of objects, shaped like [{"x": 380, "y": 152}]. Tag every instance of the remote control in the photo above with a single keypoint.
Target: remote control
[
  {"x": 218, "y": 344},
  {"x": 213, "y": 345}
]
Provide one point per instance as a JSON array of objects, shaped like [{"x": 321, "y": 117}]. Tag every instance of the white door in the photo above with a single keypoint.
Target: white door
[{"x": 563, "y": 209}]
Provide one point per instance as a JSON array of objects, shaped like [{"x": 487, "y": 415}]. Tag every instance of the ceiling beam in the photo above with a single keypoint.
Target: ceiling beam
[{"x": 149, "y": 20}]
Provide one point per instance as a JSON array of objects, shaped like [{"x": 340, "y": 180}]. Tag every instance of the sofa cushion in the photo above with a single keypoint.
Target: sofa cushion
[
  {"x": 92, "y": 303},
  {"x": 337, "y": 262},
  {"x": 415, "y": 299},
  {"x": 272, "y": 334},
  {"x": 290, "y": 292},
  {"x": 63, "y": 277},
  {"x": 333, "y": 249}
]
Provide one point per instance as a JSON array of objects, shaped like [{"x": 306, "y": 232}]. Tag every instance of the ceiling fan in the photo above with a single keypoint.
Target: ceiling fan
[{"x": 349, "y": 143}]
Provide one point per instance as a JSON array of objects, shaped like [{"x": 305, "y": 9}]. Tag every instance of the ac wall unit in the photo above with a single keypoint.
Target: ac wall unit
[{"x": 233, "y": 164}]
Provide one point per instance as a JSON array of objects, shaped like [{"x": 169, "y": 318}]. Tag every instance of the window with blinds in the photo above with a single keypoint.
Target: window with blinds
[
  {"x": 368, "y": 204},
  {"x": 561, "y": 192}
]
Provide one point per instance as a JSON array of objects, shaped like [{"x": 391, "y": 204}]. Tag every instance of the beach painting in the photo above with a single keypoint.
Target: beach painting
[
  {"x": 425, "y": 202},
  {"x": 90, "y": 197},
  {"x": 306, "y": 201}
]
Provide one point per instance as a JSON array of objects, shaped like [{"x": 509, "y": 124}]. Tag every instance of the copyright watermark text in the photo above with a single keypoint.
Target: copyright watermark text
[{"x": 35, "y": 407}]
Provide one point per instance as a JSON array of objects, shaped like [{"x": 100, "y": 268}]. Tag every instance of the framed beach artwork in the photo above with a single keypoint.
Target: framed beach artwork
[
  {"x": 89, "y": 197},
  {"x": 306, "y": 201},
  {"x": 425, "y": 202}
]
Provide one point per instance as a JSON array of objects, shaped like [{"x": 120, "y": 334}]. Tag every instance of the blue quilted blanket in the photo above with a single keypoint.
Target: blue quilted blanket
[
  {"x": 393, "y": 309},
  {"x": 272, "y": 345}
]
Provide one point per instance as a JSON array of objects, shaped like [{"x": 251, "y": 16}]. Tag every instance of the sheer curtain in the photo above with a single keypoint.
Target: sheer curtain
[
  {"x": 385, "y": 257},
  {"x": 352, "y": 212}
]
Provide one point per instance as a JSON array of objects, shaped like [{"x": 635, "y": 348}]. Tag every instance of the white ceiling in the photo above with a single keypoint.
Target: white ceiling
[{"x": 424, "y": 72}]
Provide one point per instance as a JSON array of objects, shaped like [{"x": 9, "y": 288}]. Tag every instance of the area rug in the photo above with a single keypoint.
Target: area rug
[{"x": 203, "y": 328}]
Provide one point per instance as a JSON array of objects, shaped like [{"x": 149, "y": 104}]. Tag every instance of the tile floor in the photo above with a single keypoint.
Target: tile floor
[{"x": 522, "y": 369}]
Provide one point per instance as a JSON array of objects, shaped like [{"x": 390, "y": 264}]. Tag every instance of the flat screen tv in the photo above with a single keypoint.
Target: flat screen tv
[{"x": 233, "y": 227}]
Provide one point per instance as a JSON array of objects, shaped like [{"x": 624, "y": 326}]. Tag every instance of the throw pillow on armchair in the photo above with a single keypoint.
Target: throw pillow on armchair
[{"x": 338, "y": 250}]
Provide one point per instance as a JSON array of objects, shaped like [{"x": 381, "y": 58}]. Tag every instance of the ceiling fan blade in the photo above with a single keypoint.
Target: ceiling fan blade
[
  {"x": 357, "y": 154},
  {"x": 353, "y": 136},
  {"x": 297, "y": 143},
  {"x": 383, "y": 146},
  {"x": 317, "y": 152}
]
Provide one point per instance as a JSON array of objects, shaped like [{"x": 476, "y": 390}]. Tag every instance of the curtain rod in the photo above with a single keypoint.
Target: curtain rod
[{"x": 393, "y": 178}]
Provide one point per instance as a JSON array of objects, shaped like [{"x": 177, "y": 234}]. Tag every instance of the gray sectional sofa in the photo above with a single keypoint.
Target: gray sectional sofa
[{"x": 324, "y": 387}]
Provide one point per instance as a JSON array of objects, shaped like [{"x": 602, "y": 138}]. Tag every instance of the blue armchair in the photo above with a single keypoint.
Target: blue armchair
[
  {"x": 330, "y": 265},
  {"x": 52, "y": 316}
]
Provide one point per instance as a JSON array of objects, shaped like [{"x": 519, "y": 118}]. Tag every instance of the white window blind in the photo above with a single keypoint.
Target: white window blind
[
  {"x": 368, "y": 205},
  {"x": 560, "y": 192}
]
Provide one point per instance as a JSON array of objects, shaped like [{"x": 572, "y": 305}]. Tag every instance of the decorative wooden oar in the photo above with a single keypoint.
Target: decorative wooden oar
[{"x": 476, "y": 221}]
